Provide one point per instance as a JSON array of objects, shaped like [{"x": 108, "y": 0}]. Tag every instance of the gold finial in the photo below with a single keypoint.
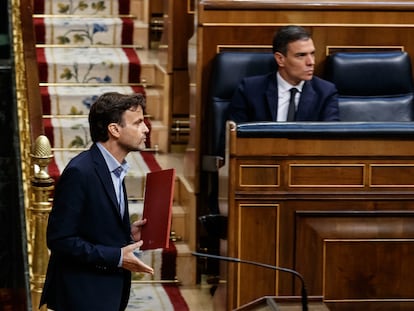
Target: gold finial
[
  {"x": 41, "y": 157},
  {"x": 42, "y": 147}
]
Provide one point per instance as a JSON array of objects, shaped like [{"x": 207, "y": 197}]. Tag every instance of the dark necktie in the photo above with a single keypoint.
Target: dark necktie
[
  {"x": 292, "y": 109},
  {"x": 121, "y": 201}
]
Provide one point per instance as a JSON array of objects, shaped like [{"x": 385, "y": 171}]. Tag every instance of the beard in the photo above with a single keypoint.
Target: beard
[{"x": 133, "y": 145}]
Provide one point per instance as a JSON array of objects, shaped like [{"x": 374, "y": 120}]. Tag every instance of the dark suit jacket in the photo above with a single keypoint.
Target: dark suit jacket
[
  {"x": 256, "y": 99},
  {"x": 85, "y": 234}
]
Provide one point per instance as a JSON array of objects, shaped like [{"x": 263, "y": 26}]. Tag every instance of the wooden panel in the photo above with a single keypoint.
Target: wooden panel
[
  {"x": 356, "y": 256},
  {"x": 156, "y": 7},
  {"x": 261, "y": 176},
  {"x": 180, "y": 93},
  {"x": 304, "y": 5},
  {"x": 294, "y": 173},
  {"x": 288, "y": 12},
  {"x": 259, "y": 223},
  {"x": 173, "y": 53},
  {"x": 386, "y": 275},
  {"x": 388, "y": 175},
  {"x": 316, "y": 147},
  {"x": 326, "y": 175}
]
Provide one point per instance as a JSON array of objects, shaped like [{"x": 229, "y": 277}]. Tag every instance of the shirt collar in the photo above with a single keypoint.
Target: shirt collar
[
  {"x": 111, "y": 162},
  {"x": 284, "y": 86}
]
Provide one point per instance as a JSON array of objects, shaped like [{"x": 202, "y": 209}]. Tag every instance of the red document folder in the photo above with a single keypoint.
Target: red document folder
[{"x": 158, "y": 200}]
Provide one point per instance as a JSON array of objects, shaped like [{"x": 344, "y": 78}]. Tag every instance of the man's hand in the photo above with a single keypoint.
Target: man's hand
[
  {"x": 136, "y": 229},
  {"x": 131, "y": 262}
]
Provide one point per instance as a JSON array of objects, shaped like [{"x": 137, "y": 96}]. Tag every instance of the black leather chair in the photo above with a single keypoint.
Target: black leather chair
[
  {"x": 372, "y": 86},
  {"x": 228, "y": 69}
]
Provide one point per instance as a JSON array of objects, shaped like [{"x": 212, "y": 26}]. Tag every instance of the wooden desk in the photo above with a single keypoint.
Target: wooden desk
[{"x": 334, "y": 202}]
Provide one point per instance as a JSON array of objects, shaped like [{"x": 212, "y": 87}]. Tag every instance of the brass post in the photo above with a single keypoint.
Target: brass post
[{"x": 42, "y": 186}]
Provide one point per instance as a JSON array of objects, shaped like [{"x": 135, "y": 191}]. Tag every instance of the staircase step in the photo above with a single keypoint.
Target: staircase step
[
  {"x": 141, "y": 35},
  {"x": 154, "y": 103},
  {"x": 178, "y": 223},
  {"x": 159, "y": 136},
  {"x": 88, "y": 65},
  {"x": 140, "y": 9},
  {"x": 186, "y": 265},
  {"x": 88, "y": 7},
  {"x": 77, "y": 100},
  {"x": 148, "y": 71},
  {"x": 84, "y": 31}
]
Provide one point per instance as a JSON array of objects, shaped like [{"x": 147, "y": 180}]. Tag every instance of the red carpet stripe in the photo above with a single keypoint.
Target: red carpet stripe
[
  {"x": 40, "y": 30},
  {"x": 151, "y": 162},
  {"x": 39, "y": 6},
  {"x": 177, "y": 300},
  {"x": 127, "y": 31},
  {"x": 123, "y": 6},
  {"x": 168, "y": 272},
  {"x": 138, "y": 89},
  {"x": 46, "y": 106},
  {"x": 42, "y": 64},
  {"x": 134, "y": 66}
]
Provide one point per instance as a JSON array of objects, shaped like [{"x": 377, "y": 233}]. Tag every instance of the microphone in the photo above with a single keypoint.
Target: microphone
[{"x": 304, "y": 296}]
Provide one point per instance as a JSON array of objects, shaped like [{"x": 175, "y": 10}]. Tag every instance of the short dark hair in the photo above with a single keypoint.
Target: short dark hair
[
  {"x": 109, "y": 108},
  {"x": 286, "y": 35}
]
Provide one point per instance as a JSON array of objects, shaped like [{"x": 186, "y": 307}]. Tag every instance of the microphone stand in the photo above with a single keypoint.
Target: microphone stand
[{"x": 304, "y": 295}]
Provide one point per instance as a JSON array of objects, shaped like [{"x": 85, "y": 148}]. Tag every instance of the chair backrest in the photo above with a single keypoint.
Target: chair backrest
[
  {"x": 229, "y": 68},
  {"x": 372, "y": 86}
]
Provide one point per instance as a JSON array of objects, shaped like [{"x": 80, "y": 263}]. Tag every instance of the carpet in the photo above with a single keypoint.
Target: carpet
[
  {"x": 81, "y": 7},
  {"x": 156, "y": 297},
  {"x": 84, "y": 31},
  {"x": 88, "y": 65}
]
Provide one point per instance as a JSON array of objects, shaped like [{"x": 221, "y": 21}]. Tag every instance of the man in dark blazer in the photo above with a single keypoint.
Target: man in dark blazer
[
  {"x": 267, "y": 97},
  {"x": 89, "y": 235}
]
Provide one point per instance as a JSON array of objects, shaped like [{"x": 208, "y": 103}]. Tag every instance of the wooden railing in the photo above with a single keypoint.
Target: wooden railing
[
  {"x": 26, "y": 84},
  {"x": 36, "y": 185}
]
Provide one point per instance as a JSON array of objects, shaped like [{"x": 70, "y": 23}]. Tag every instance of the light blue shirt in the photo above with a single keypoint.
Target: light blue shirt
[{"x": 113, "y": 164}]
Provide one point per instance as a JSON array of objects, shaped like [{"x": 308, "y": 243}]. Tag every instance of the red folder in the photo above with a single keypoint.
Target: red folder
[{"x": 158, "y": 200}]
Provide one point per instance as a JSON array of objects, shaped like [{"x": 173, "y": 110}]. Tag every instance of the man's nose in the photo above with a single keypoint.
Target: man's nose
[{"x": 310, "y": 60}]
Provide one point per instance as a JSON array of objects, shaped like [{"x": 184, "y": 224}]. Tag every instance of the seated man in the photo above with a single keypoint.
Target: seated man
[{"x": 292, "y": 93}]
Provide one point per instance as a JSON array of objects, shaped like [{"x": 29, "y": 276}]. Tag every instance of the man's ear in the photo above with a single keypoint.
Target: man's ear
[
  {"x": 113, "y": 129},
  {"x": 280, "y": 59}
]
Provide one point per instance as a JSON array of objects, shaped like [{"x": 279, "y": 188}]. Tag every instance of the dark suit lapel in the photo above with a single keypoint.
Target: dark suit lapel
[
  {"x": 126, "y": 218},
  {"x": 272, "y": 96},
  {"x": 306, "y": 106},
  {"x": 104, "y": 175}
]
